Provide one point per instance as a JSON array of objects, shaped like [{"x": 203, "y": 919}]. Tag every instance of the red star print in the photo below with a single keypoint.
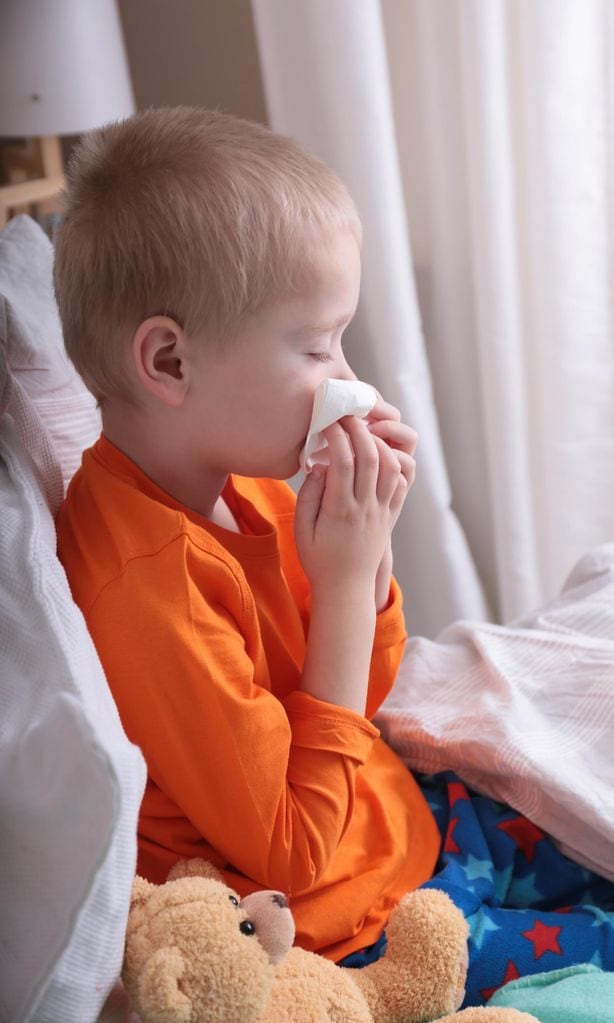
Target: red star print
[
  {"x": 511, "y": 973},
  {"x": 544, "y": 938},
  {"x": 456, "y": 791},
  {"x": 525, "y": 835},
  {"x": 449, "y": 844}
]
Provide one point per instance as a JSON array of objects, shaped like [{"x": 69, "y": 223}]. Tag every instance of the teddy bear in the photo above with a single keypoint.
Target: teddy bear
[{"x": 196, "y": 953}]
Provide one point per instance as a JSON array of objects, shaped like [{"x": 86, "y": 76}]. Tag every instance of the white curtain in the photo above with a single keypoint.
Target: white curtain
[{"x": 483, "y": 129}]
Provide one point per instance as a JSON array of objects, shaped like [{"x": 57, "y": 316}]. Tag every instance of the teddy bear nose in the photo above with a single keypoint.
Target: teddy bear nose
[{"x": 280, "y": 900}]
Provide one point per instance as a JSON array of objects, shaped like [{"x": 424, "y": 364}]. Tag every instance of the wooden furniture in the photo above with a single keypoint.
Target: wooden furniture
[{"x": 34, "y": 175}]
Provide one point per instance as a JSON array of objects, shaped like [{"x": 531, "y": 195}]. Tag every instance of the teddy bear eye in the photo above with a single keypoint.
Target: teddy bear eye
[
  {"x": 234, "y": 901},
  {"x": 247, "y": 927}
]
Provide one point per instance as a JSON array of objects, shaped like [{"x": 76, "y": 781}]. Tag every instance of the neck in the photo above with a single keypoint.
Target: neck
[{"x": 161, "y": 452}]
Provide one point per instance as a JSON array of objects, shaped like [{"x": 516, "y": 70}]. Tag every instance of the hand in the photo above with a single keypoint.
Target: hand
[
  {"x": 345, "y": 513},
  {"x": 342, "y": 525},
  {"x": 384, "y": 421}
]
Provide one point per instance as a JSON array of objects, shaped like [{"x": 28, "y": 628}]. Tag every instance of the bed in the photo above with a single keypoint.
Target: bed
[{"x": 65, "y": 889}]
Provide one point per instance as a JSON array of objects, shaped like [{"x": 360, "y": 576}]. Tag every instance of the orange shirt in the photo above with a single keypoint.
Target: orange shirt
[{"x": 201, "y": 632}]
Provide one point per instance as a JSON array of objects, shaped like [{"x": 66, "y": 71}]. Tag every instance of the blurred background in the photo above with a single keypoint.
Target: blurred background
[{"x": 477, "y": 137}]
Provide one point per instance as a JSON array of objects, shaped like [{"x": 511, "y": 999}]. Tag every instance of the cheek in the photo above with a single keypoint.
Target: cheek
[
  {"x": 294, "y": 398},
  {"x": 281, "y": 397},
  {"x": 290, "y": 419}
]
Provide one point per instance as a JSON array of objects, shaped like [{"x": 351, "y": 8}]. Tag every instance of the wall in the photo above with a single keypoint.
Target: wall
[{"x": 200, "y": 52}]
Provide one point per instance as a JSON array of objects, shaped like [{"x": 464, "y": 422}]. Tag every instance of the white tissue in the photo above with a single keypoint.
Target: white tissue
[{"x": 334, "y": 399}]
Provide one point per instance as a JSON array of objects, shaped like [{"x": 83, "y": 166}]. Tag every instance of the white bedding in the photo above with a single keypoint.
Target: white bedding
[
  {"x": 70, "y": 781},
  {"x": 524, "y": 713}
]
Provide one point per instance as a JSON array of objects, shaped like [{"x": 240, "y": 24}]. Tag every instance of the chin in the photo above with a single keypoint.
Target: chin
[
  {"x": 283, "y": 468},
  {"x": 295, "y": 468},
  {"x": 288, "y": 472}
]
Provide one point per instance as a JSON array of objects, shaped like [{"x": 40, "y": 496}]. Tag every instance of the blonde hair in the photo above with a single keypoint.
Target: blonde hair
[{"x": 188, "y": 213}]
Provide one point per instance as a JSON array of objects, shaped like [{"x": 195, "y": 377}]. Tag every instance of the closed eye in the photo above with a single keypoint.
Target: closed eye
[{"x": 321, "y": 356}]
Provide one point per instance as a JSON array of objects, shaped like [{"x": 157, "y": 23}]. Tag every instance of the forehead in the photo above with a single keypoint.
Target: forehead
[{"x": 328, "y": 293}]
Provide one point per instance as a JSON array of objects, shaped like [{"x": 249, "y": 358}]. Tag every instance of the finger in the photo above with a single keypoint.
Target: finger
[
  {"x": 406, "y": 479},
  {"x": 309, "y": 502},
  {"x": 398, "y": 498},
  {"x": 383, "y": 410},
  {"x": 396, "y": 434},
  {"x": 366, "y": 458},
  {"x": 408, "y": 466},
  {"x": 389, "y": 471},
  {"x": 405, "y": 458},
  {"x": 340, "y": 473}
]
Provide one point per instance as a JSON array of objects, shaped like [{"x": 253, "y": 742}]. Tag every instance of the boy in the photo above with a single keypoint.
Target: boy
[{"x": 206, "y": 269}]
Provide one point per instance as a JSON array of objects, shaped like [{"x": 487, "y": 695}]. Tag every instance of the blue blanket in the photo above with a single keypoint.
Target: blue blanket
[{"x": 530, "y": 909}]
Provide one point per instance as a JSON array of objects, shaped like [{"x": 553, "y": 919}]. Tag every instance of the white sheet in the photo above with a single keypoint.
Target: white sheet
[{"x": 524, "y": 713}]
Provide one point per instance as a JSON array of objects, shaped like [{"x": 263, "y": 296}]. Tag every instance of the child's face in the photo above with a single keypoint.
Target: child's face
[{"x": 251, "y": 406}]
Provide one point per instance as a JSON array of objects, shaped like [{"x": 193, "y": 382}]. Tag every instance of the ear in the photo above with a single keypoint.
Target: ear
[
  {"x": 160, "y": 355},
  {"x": 141, "y": 890},
  {"x": 194, "y": 868},
  {"x": 159, "y": 998}
]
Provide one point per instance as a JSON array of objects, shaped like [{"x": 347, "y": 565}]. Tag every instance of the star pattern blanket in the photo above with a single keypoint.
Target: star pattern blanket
[{"x": 530, "y": 908}]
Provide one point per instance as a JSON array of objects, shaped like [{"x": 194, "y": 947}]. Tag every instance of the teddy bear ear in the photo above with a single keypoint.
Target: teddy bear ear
[
  {"x": 141, "y": 890},
  {"x": 194, "y": 868},
  {"x": 159, "y": 998}
]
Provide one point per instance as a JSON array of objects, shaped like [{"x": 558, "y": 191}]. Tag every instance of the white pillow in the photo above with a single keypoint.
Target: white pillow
[
  {"x": 70, "y": 782},
  {"x": 31, "y": 335}
]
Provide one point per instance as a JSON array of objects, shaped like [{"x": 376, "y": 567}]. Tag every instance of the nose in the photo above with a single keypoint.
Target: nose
[{"x": 343, "y": 370}]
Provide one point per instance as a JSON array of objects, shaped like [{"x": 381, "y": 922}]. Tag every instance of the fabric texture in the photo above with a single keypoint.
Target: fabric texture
[
  {"x": 46, "y": 391},
  {"x": 493, "y": 335},
  {"x": 202, "y": 635},
  {"x": 529, "y": 907},
  {"x": 345, "y": 115},
  {"x": 70, "y": 783},
  {"x": 577, "y": 994},
  {"x": 523, "y": 713},
  {"x": 514, "y": 265}
]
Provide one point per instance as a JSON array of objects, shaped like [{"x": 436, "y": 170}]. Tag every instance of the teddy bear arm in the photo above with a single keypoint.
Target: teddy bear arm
[
  {"x": 483, "y": 1014},
  {"x": 422, "y": 974}
]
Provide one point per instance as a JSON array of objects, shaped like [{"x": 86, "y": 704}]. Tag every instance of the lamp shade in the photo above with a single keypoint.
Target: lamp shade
[{"x": 63, "y": 67}]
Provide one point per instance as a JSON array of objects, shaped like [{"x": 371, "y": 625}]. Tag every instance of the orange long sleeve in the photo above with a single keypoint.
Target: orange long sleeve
[{"x": 202, "y": 636}]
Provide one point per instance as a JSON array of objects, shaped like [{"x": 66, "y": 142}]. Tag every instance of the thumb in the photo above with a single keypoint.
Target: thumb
[{"x": 309, "y": 501}]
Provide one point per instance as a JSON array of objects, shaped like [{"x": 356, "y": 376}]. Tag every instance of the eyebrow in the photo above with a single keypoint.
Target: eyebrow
[{"x": 324, "y": 328}]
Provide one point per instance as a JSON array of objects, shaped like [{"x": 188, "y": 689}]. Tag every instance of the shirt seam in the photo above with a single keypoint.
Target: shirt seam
[
  {"x": 183, "y": 533},
  {"x": 329, "y": 719}
]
